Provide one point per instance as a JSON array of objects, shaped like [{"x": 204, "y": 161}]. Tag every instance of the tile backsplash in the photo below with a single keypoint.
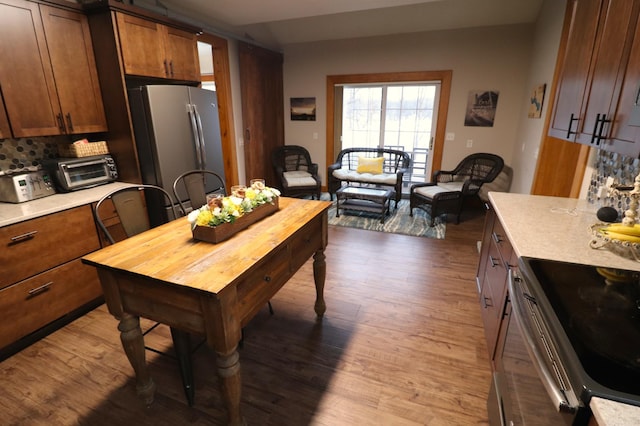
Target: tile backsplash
[
  {"x": 622, "y": 169},
  {"x": 26, "y": 153}
]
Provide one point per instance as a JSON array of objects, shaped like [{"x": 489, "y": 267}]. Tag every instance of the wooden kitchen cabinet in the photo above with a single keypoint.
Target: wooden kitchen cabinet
[
  {"x": 74, "y": 70},
  {"x": 47, "y": 71},
  {"x": 43, "y": 278},
  {"x": 496, "y": 258},
  {"x": 5, "y": 130},
  {"x": 36, "y": 302},
  {"x": 36, "y": 245},
  {"x": 151, "y": 49},
  {"x": 625, "y": 129},
  {"x": 593, "y": 69}
]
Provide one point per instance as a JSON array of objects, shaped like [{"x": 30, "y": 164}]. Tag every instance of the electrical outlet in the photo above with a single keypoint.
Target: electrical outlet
[
  {"x": 609, "y": 182},
  {"x": 469, "y": 143},
  {"x": 450, "y": 136}
]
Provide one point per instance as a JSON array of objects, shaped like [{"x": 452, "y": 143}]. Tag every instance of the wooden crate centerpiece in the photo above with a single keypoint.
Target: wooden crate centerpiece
[{"x": 223, "y": 231}]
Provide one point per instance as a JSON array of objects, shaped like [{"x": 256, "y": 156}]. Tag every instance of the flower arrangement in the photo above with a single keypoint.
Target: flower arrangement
[{"x": 220, "y": 210}]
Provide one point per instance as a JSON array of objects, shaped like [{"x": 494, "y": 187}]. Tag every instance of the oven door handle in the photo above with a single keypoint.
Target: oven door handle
[{"x": 553, "y": 390}]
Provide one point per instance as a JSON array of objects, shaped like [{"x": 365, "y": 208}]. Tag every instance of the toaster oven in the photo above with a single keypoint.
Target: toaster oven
[{"x": 71, "y": 174}]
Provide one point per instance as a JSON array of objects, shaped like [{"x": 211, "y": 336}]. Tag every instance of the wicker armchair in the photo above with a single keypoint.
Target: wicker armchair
[
  {"x": 448, "y": 190},
  {"x": 298, "y": 176}
]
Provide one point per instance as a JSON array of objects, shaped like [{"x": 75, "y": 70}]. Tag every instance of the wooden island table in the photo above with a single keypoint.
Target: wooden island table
[{"x": 208, "y": 289}]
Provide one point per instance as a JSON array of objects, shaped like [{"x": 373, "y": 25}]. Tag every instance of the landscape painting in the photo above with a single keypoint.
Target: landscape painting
[{"x": 303, "y": 109}]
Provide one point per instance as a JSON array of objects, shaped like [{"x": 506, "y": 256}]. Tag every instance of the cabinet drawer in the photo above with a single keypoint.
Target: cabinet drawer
[
  {"x": 499, "y": 236},
  {"x": 36, "y": 245},
  {"x": 37, "y": 301},
  {"x": 262, "y": 283}
]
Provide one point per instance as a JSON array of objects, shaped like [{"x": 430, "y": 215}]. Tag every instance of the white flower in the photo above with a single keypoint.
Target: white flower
[{"x": 193, "y": 215}]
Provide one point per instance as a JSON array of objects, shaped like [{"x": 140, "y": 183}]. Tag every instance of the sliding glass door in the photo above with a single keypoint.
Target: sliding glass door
[{"x": 398, "y": 116}]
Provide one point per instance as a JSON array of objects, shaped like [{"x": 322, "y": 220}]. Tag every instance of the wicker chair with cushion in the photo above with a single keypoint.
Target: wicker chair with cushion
[
  {"x": 297, "y": 174},
  {"x": 448, "y": 190}
]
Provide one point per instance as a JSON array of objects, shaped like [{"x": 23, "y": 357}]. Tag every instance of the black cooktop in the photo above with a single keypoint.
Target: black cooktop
[{"x": 599, "y": 311}]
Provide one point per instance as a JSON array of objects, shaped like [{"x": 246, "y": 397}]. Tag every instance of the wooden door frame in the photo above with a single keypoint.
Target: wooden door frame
[
  {"x": 222, "y": 78},
  {"x": 444, "y": 77}
]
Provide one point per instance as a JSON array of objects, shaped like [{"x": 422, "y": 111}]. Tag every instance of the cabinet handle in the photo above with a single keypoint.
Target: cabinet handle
[
  {"x": 603, "y": 121},
  {"x": 493, "y": 262},
  {"x": 69, "y": 122},
  {"x": 569, "y": 132},
  {"x": 61, "y": 123},
  {"x": 166, "y": 68},
  {"x": 487, "y": 302},
  {"x": 497, "y": 238},
  {"x": 267, "y": 278},
  {"x": 595, "y": 131},
  {"x": 23, "y": 237},
  {"x": 41, "y": 289},
  {"x": 598, "y": 128},
  {"x": 171, "y": 67}
]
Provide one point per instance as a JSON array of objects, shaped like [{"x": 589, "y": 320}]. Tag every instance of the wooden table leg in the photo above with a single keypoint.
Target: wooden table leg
[
  {"x": 229, "y": 373},
  {"x": 319, "y": 274},
  {"x": 133, "y": 344}
]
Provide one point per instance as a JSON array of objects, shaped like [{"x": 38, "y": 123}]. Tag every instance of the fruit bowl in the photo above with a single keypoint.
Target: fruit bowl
[{"x": 616, "y": 242}]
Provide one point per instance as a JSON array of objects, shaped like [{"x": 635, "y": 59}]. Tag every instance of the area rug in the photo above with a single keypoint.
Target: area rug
[{"x": 399, "y": 222}]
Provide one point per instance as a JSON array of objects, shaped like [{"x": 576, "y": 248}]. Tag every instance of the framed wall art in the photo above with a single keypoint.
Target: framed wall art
[
  {"x": 303, "y": 109},
  {"x": 535, "y": 101}
]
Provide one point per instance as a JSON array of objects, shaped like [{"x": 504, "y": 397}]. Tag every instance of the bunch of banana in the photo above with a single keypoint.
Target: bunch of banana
[{"x": 622, "y": 232}]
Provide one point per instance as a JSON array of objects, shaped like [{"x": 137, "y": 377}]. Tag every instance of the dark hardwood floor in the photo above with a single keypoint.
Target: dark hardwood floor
[{"x": 401, "y": 343}]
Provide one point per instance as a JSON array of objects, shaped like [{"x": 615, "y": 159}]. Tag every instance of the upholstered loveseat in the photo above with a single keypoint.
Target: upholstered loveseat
[{"x": 369, "y": 166}]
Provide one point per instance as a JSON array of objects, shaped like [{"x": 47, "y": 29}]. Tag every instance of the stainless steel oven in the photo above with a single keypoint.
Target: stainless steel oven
[
  {"x": 530, "y": 385},
  {"x": 570, "y": 333}
]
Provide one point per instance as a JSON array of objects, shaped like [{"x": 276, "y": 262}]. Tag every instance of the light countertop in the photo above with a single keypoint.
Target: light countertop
[
  {"x": 13, "y": 213},
  {"x": 554, "y": 228},
  {"x": 558, "y": 228},
  {"x": 611, "y": 413}
]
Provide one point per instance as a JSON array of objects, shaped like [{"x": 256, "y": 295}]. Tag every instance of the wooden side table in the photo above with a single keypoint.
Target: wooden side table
[{"x": 362, "y": 199}]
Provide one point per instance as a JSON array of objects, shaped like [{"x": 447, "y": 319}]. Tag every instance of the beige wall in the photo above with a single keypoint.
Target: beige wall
[
  {"x": 511, "y": 59},
  {"x": 491, "y": 58},
  {"x": 543, "y": 61}
]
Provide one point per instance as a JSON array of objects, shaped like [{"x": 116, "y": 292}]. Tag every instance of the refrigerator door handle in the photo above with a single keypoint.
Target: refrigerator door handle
[
  {"x": 191, "y": 109},
  {"x": 203, "y": 155}
]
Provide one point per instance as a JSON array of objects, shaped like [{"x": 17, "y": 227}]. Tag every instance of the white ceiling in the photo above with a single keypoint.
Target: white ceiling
[{"x": 279, "y": 22}]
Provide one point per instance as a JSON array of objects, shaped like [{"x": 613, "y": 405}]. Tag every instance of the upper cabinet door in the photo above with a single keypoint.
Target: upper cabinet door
[
  {"x": 74, "y": 70},
  {"x": 625, "y": 132},
  {"x": 5, "y": 130},
  {"x": 572, "y": 83},
  {"x": 597, "y": 78},
  {"x": 609, "y": 65},
  {"x": 26, "y": 77},
  {"x": 150, "y": 49},
  {"x": 182, "y": 55},
  {"x": 142, "y": 47}
]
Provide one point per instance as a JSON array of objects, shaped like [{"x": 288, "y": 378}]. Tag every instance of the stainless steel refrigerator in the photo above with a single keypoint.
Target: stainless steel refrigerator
[{"x": 176, "y": 129}]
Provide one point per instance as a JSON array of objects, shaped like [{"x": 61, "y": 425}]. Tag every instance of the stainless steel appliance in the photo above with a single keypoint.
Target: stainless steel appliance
[
  {"x": 71, "y": 174},
  {"x": 21, "y": 187},
  {"x": 176, "y": 129},
  {"x": 572, "y": 332}
]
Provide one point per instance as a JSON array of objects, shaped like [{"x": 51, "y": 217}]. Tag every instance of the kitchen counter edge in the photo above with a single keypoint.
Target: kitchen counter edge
[{"x": 11, "y": 213}]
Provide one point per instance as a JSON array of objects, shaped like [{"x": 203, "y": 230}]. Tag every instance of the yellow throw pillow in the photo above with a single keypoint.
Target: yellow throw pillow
[{"x": 370, "y": 165}]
